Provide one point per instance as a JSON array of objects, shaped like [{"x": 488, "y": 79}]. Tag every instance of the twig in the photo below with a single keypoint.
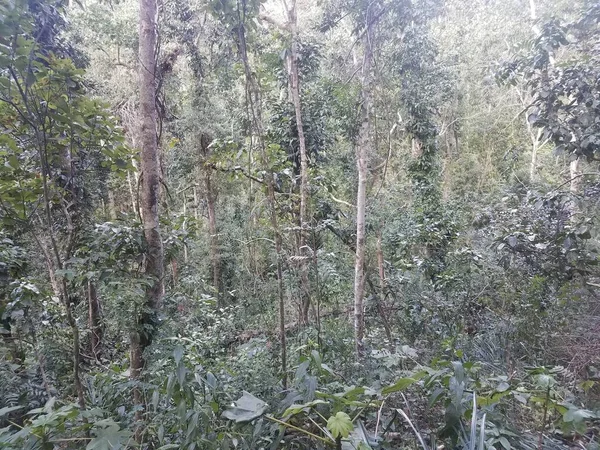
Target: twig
[{"x": 285, "y": 424}]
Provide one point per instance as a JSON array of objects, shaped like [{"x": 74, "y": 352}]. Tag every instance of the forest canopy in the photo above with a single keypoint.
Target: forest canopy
[{"x": 299, "y": 224}]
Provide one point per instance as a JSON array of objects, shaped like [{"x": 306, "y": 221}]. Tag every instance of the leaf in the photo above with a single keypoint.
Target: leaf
[
  {"x": 295, "y": 409},
  {"x": 504, "y": 442},
  {"x": 578, "y": 415},
  {"x": 13, "y": 162},
  {"x": 403, "y": 383},
  {"x": 8, "y": 409},
  {"x": 435, "y": 396},
  {"x": 109, "y": 438},
  {"x": 181, "y": 373},
  {"x": 545, "y": 381},
  {"x": 246, "y": 408},
  {"x": 178, "y": 353},
  {"x": 211, "y": 380},
  {"x": 340, "y": 425},
  {"x": 502, "y": 387}
]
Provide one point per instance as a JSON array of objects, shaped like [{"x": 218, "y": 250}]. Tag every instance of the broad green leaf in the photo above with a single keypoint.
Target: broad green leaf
[
  {"x": 578, "y": 415},
  {"x": 109, "y": 438},
  {"x": 399, "y": 385},
  {"x": 340, "y": 425}
]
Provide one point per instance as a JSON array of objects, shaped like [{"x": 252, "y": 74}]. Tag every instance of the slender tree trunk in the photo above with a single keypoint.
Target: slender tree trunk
[
  {"x": 575, "y": 188},
  {"x": 575, "y": 176},
  {"x": 382, "y": 288},
  {"x": 211, "y": 199},
  {"x": 184, "y": 227},
  {"x": 295, "y": 91},
  {"x": 253, "y": 99},
  {"x": 132, "y": 194},
  {"x": 95, "y": 322},
  {"x": 112, "y": 209},
  {"x": 196, "y": 205},
  {"x": 142, "y": 336},
  {"x": 56, "y": 261},
  {"x": 215, "y": 255},
  {"x": 363, "y": 151}
]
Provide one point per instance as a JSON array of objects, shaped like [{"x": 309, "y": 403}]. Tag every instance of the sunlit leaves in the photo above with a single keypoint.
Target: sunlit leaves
[{"x": 340, "y": 425}]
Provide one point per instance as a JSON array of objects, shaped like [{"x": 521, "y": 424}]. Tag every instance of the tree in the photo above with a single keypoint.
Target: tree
[
  {"x": 142, "y": 336},
  {"x": 565, "y": 96},
  {"x": 364, "y": 150},
  {"x": 56, "y": 144},
  {"x": 303, "y": 218}
]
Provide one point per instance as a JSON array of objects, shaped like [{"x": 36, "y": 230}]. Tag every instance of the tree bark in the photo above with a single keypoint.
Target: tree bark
[
  {"x": 382, "y": 287},
  {"x": 303, "y": 219},
  {"x": 142, "y": 336},
  {"x": 211, "y": 199},
  {"x": 253, "y": 98},
  {"x": 363, "y": 151},
  {"x": 112, "y": 209},
  {"x": 575, "y": 172},
  {"x": 95, "y": 322}
]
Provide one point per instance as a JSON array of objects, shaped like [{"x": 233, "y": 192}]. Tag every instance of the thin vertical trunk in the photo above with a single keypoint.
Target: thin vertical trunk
[
  {"x": 196, "y": 215},
  {"x": 141, "y": 337},
  {"x": 295, "y": 91},
  {"x": 215, "y": 256},
  {"x": 253, "y": 98},
  {"x": 184, "y": 227},
  {"x": 575, "y": 176},
  {"x": 132, "y": 194},
  {"x": 535, "y": 137},
  {"x": 382, "y": 288},
  {"x": 54, "y": 260},
  {"x": 94, "y": 321},
  {"x": 363, "y": 151},
  {"x": 317, "y": 287},
  {"x": 575, "y": 187},
  {"x": 211, "y": 199},
  {"x": 112, "y": 210},
  {"x": 535, "y": 145}
]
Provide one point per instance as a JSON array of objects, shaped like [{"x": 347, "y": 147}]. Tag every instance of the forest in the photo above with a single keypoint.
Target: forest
[{"x": 299, "y": 224}]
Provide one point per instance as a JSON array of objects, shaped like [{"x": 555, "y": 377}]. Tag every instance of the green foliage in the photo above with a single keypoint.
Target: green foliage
[
  {"x": 565, "y": 99},
  {"x": 480, "y": 299}
]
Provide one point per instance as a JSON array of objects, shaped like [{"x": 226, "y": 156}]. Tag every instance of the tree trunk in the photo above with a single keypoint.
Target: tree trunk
[
  {"x": 211, "y": 199},
  {"x": 95, "y": 322},
  {"x": 363, "y": 151},
  {"x": 184, "y": 228},
  {"x": 112, "y": 209},
  {"x": 142, "y": 336},
  {"x": 215, "y": 256},
  {"x": 253, "y": 98},
  {"x": 575, "y": 173},
  {"x": 382, "y": 288},
  {"x": 295, "y": 91},
  {"x": 54, "y": 260}
]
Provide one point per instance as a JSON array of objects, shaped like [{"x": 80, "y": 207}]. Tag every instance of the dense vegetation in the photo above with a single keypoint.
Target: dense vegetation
[{"x": 345, "y": 224}]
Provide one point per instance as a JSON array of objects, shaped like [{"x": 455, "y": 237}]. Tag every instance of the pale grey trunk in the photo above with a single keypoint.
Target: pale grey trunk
[
  {"x": 363, "y": 152},
  {"x": 146, "y": 320},
  {"x": 295, "y": 91}
]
